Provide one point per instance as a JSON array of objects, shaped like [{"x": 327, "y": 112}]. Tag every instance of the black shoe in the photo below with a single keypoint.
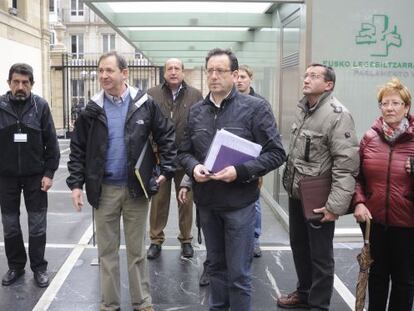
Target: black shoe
[
  {"x": 41, "y": 278},
  {"x": 154, "y": 251},
  {"x": 187, "y": 250},
  {"x": 257, "y": 252},
  {"x": 11, "y": 276},
  {"x": 205, "y": 278}
]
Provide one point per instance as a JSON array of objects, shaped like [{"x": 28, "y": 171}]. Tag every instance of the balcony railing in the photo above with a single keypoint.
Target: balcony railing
[{"x": 90, "y": 59}]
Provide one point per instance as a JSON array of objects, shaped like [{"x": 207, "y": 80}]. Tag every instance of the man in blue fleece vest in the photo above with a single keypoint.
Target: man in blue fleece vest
[{"x": 108, "y": 138}]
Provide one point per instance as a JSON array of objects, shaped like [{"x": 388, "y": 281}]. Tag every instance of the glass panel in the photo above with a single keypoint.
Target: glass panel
[{"x": 290, "y": 84}]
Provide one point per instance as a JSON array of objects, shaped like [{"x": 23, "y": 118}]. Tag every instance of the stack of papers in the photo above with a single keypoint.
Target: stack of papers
[{"x": 229, "y": 149}]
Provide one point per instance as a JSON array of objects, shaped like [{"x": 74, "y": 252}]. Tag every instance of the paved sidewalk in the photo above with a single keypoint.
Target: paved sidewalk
[{"x": 174, "y": 280}]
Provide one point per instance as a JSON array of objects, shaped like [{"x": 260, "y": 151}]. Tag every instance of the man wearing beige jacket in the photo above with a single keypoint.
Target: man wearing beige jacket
[{"x": 323, "y": 142}]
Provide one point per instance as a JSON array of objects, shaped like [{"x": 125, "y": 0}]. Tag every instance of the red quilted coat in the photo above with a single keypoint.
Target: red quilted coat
[{"x": 383, "y": 184}]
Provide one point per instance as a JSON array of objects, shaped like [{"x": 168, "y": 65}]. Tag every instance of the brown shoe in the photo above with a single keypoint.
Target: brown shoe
[{"x": 292, "y": 301}]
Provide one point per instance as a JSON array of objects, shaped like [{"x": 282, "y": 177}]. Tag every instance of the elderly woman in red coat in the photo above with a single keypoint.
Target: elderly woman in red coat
[{"x": 385, "y": 194}]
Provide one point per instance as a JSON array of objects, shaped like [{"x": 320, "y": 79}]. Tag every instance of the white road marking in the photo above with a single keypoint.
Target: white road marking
[
  {"x": 57, "y": 282},
  {"x": 344, "y": 292},
  {"x": 272, "y": 281},
  {"x": 177, "y": 247}
]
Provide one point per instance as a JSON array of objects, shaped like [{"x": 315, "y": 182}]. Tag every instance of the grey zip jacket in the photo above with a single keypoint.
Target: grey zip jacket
[{"x": 323, "y": 142}]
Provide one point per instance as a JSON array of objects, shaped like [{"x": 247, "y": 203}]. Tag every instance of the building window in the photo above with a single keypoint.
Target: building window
[
  {"x": 77, "y": 46},
  {"x": 108, "y": 41},
  {"x": 52, "y": 38},
  {"x": 76, "y": 7},
  {"x": 51, "y": 5},
  {"x": 13, "y": 8}
]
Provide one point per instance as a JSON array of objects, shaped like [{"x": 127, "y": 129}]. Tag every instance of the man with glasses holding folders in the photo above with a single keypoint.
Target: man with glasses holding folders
[
  {"x": 226, "y": 199},
  {"x": 323, "y": 142}
]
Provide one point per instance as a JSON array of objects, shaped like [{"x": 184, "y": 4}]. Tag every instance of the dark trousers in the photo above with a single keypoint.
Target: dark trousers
[
  {"x": 229, "y": 239},
  {"x": 312, "y": 250},
  {"x": 36, "y": 206},
  {"x": 392, "y": 249}
]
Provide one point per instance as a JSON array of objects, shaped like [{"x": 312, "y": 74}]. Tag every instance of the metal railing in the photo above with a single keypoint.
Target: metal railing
[{"x": 80, "y": 82}]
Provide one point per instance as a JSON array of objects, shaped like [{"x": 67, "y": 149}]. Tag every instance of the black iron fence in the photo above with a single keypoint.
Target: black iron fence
[{"x": 80, "y": 82}]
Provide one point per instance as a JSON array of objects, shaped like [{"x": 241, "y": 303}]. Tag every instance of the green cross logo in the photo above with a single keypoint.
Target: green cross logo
[{"x": 379, "y": 33}]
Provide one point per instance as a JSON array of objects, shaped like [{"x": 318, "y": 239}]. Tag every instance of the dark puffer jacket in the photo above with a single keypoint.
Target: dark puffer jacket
[
  {"x": 383, "y": 184},
  {"x": 90, "y": 141}
]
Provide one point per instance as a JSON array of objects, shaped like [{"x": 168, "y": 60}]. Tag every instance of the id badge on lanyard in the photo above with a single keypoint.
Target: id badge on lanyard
[{"x": 20, "y": 137}]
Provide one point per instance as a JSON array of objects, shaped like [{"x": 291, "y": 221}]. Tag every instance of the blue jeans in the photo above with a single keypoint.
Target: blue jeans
[
  {"x": 258, "y": 224},
  {"x": 229, "y": 239}
]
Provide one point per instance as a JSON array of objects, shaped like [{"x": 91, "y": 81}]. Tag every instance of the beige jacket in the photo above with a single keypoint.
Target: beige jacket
[{"x": 323, "y": 142}]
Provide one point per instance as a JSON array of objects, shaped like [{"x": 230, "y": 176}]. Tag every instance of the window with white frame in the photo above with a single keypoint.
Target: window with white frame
[
  {"x": 76, "y": 7},
  {"x": 76, "y": 46},
  {"x": 108, "y": 42}
]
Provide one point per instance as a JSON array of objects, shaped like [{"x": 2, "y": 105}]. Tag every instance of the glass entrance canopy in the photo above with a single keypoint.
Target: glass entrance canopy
[{"x": 188, "y": 29}]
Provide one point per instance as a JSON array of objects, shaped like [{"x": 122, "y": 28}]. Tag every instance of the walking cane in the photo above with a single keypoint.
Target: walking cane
[
  {"x": 93, "y": 226},
  {"x": 95, "y": 261},
  {"x": 199, "y": 240}
]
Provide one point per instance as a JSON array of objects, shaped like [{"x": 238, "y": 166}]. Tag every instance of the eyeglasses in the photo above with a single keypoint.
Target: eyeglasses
[
  {"x": 393, "y": 105},
  {"x": 312, "y": 76},
  {"x": 218, "y": 71}
]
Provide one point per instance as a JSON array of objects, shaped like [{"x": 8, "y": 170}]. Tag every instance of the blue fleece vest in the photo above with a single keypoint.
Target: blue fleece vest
[{"x": 116, "y": 156}]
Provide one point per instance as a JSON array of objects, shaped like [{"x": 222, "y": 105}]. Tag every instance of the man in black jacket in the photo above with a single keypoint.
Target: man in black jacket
[
  {"x": 226, "y": 198},
  {"x": 28, "y": 160},
  {"x": 107, "y": 140}
]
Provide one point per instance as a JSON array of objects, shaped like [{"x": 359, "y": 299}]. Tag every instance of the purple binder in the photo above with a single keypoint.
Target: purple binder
[{"x": 227, "y": 156}]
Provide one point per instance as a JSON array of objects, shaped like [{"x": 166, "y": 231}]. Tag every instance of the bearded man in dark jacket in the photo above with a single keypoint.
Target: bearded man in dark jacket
[{"x": 29, "y": 158}]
